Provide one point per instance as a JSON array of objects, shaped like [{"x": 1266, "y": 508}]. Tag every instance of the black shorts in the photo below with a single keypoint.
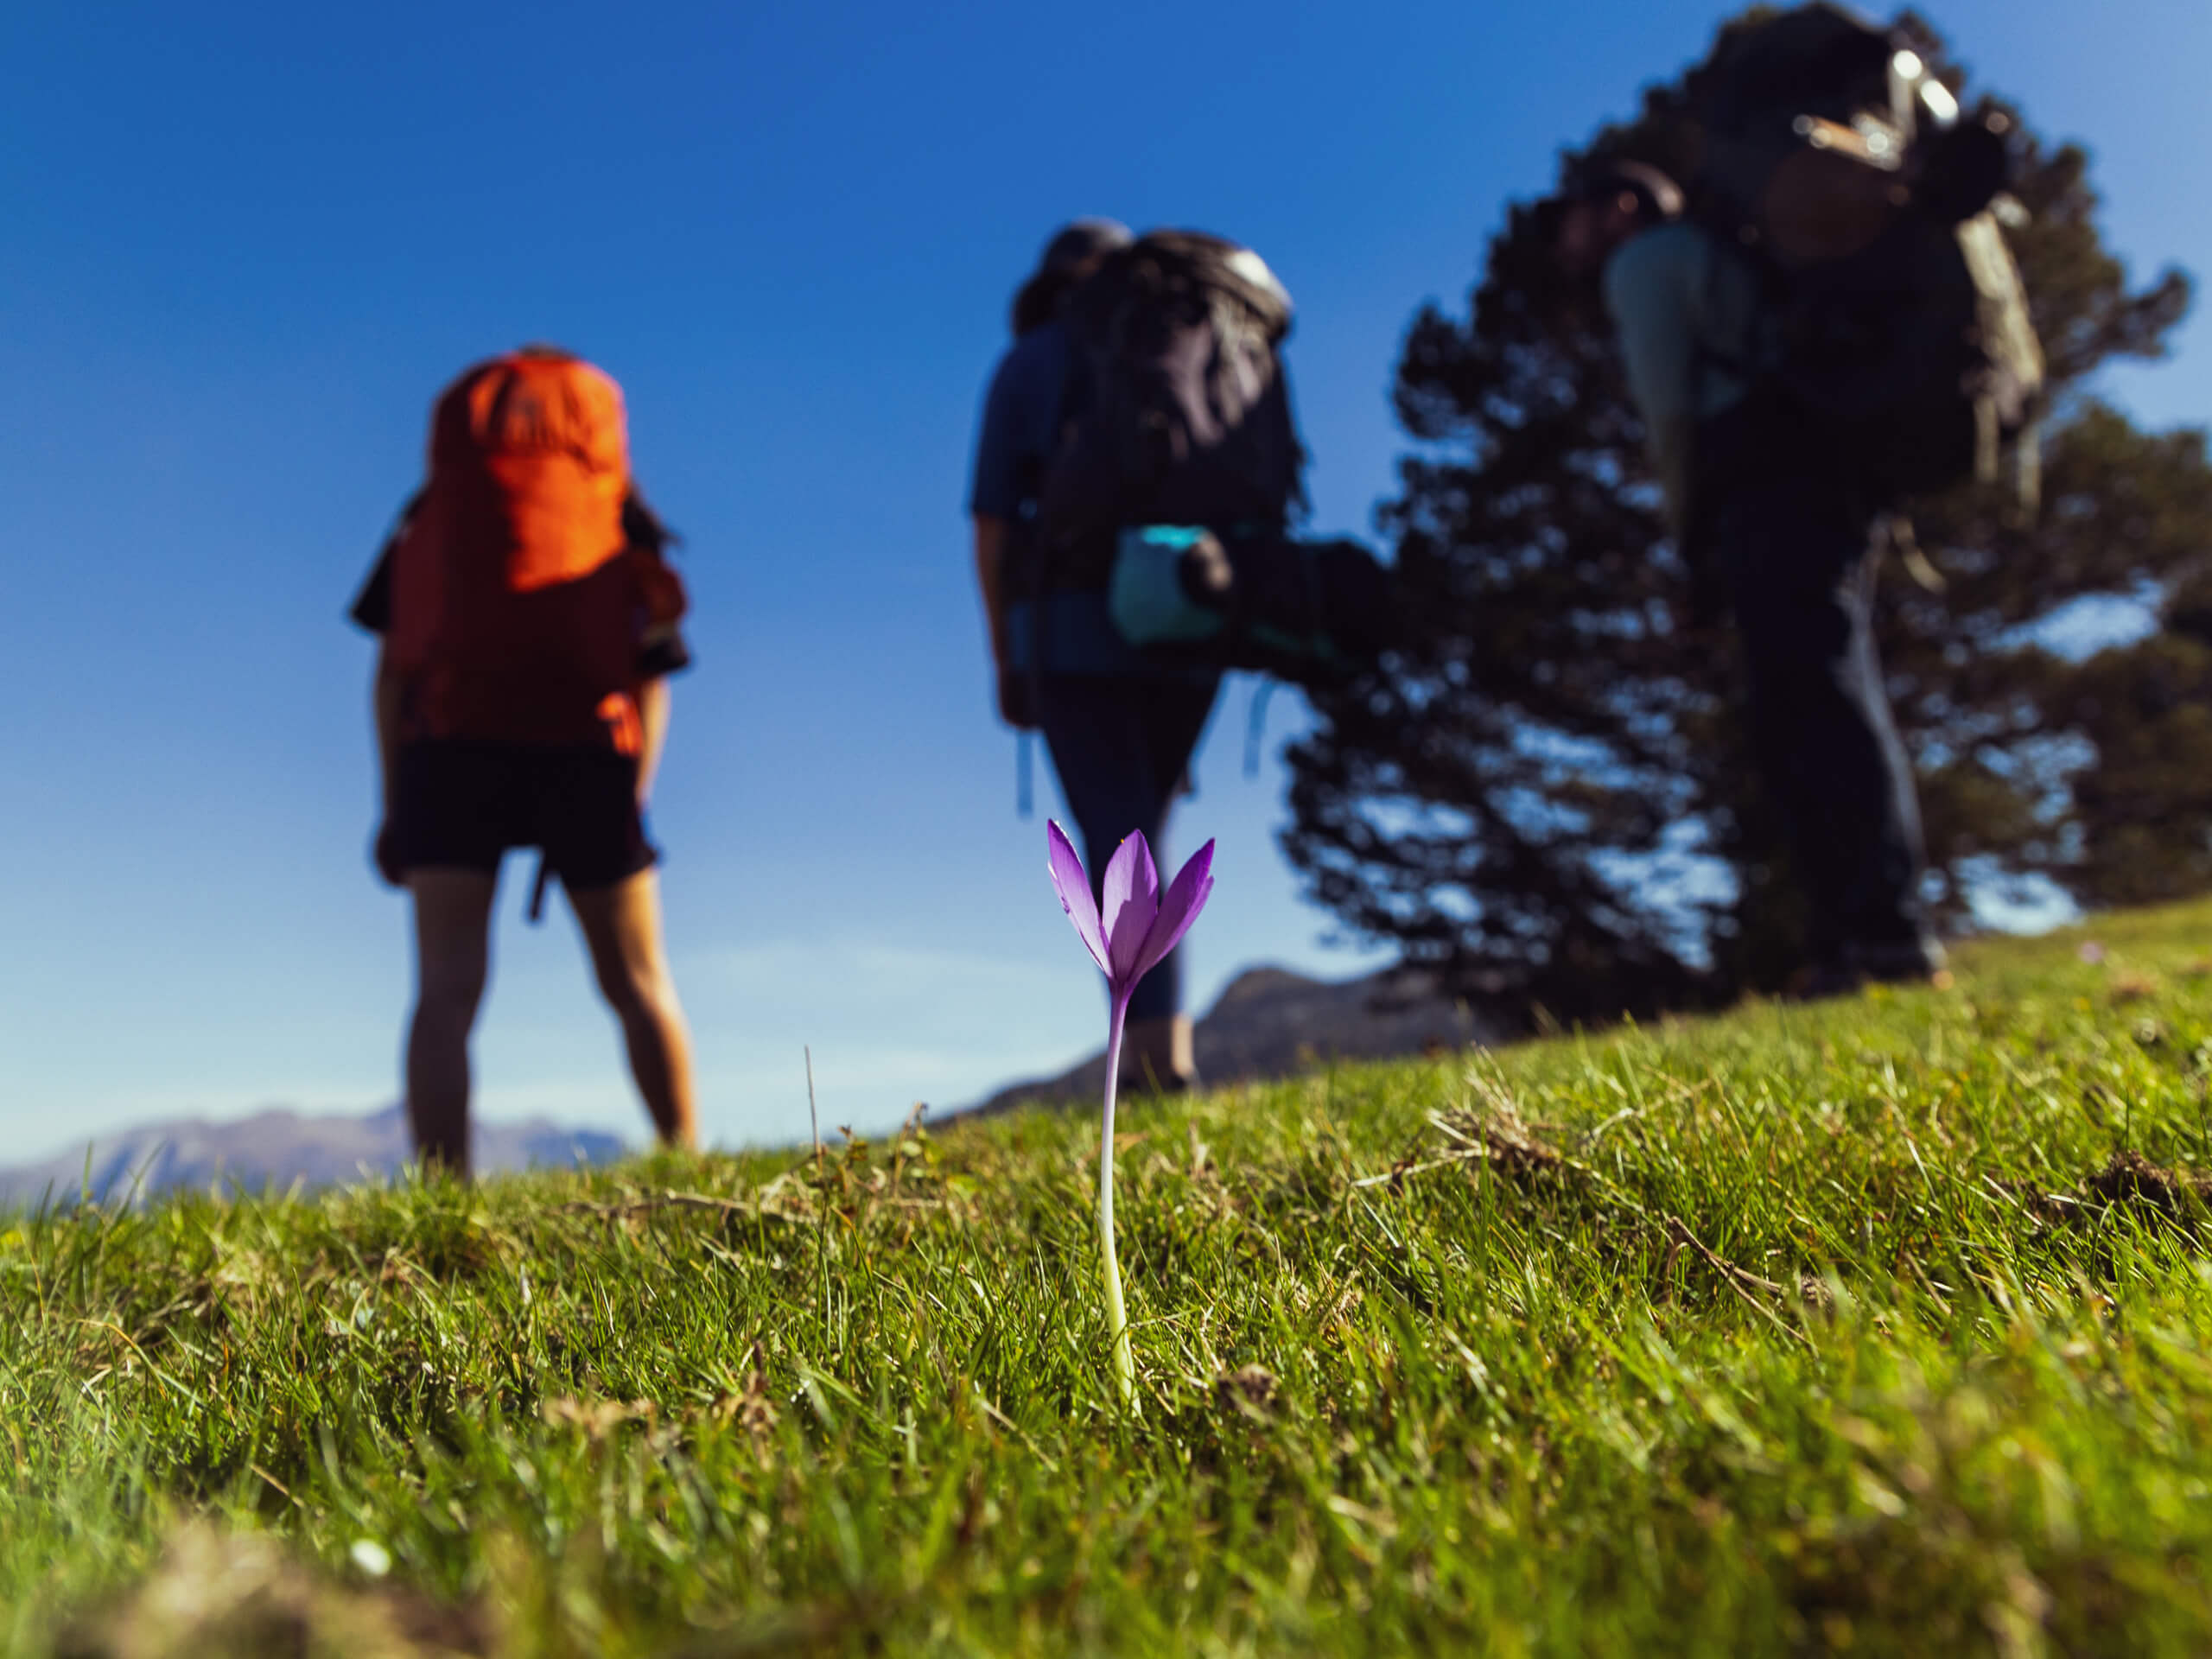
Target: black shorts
[{"x": 461, "y": 804}]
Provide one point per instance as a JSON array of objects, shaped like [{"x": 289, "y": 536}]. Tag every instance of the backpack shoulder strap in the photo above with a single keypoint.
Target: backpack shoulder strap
[{"x": 645, "y": 543}]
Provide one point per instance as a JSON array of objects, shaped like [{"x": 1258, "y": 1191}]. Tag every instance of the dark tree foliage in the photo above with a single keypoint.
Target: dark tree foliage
[{"x": 1544, "y": 792}]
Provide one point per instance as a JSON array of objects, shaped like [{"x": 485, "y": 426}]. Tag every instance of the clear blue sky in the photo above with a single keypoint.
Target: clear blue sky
[{"x": 244, "y": 244}]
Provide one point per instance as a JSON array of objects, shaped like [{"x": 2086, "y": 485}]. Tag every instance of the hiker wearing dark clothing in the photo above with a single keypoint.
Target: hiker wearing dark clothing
[
  {"x": 1120, "y": 730},
  {"x": 527, "y": 624},
  {"x": 1787, "y": 544},
  {"x": 1809, "y": 346}
]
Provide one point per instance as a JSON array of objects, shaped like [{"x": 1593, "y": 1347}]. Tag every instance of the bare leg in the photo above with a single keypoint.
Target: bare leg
[
  {"x": 1159, "y": 1057},
  {"x": 453, "y": 915},
  {"x": 621, "y": 926}
]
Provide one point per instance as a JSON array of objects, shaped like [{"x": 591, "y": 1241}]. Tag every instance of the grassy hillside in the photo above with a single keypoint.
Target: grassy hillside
[{"x": 1862, "y": 1327}]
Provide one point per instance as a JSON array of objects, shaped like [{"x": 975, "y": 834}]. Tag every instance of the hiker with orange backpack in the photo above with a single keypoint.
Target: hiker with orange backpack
[{"x": 529, "y": 622}]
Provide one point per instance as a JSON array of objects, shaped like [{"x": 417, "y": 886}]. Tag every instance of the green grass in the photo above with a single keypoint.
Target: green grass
[{"x": 1771, "y": 1333}]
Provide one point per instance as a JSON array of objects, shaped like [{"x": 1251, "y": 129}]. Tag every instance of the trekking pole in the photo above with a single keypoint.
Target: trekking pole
[{"x": 537, "y": 911}]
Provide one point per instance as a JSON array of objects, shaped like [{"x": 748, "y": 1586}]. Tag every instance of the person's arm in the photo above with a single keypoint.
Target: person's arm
[
  {"x": 653, "y": 721},
  {"x": 372, "y": 611},
  {"x": 993, "y": 502},
  {"x": 1650, "y": 290},
  {"x": 386, "y": 697},
  {"x": 1015, "y": 689},
  {"x": 990, "y": 579}
]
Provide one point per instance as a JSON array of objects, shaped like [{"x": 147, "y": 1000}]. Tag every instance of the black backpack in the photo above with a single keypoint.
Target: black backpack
[
  {"x": 1893, "y": 314},
  {"x": 1178, "y": 412}
]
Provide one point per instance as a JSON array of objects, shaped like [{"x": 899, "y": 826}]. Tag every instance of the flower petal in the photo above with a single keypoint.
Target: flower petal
[
  {"x": 1074, "y": 888},
  {"x": 1132, "y": 900},
  {"x": 1183, "y": 900}
]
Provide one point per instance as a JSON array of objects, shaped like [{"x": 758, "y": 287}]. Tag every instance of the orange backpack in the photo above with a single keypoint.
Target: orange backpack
[{"x": 519, "y": 602}]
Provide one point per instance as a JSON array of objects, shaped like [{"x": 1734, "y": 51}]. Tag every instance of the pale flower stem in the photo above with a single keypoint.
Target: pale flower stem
[{"x": 1118, "y": 1321}]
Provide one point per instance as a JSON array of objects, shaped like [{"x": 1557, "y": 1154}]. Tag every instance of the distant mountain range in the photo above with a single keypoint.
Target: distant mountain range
[
  {"x": 1269, "y": 1023},
  {"x": 277, "y": 1149},
  {"x": 1272, "y": 1023}
]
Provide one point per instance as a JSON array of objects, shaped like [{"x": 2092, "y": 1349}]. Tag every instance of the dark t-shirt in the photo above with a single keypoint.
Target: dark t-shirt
[
  {"x": 372, "y": 606},
  {"x": 1021, "y": 423},
  {"x": 1030, "y": 399}
]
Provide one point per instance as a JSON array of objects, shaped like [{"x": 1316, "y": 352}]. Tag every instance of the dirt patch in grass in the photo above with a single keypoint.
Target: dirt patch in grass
[
  {"x": 2133, "y": 1180},
  {"x": 240, "y": 1592},
  {"x": 1253, "y": 1392},
  {"x": 2128, "y": 1182},
  {"x": 1488, "y": 1129}
]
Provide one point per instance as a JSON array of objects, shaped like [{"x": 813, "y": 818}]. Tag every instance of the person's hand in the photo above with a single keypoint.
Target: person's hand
[
  {"x": 384, "y": 853},
  {"x": 1017, "y": 698}
]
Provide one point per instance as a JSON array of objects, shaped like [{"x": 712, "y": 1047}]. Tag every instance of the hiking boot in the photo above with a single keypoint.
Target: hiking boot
[
  {"x": 1157, "y": 1056},
  {"x": 1918, "y": 962},
  {"x": 1850, "y": 969},
  {"x": 1824, "y": 981}
]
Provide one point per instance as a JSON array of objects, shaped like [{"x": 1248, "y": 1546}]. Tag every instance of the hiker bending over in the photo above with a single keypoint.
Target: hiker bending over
[
  {"x": 528, "y": 623},
  {"x": 1121, "y": 732},
  {"x": 1808, "y": 350}
]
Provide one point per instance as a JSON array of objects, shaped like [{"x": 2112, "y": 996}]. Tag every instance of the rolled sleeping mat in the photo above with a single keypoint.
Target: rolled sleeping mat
[{"x": 1302, "y": 611}]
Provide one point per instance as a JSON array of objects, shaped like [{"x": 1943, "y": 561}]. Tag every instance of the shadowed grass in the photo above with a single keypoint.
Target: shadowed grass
[{"x": 1801, "y": 1329}]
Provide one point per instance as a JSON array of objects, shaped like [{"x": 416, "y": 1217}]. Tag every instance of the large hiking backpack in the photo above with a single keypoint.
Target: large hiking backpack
[
  {"x": 1894, "y": 315},
  {"x": 1179, "y": 468},
  {"x": 1178, "y": 409},
  {"x": 521, "y": 595}
]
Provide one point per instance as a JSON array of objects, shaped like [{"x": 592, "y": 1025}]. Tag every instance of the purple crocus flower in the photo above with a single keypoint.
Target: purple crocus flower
[{"x": 1140, "y": 926}]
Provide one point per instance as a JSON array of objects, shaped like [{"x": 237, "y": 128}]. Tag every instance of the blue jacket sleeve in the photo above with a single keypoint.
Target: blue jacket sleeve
[{"x": 996, "y": 491}]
